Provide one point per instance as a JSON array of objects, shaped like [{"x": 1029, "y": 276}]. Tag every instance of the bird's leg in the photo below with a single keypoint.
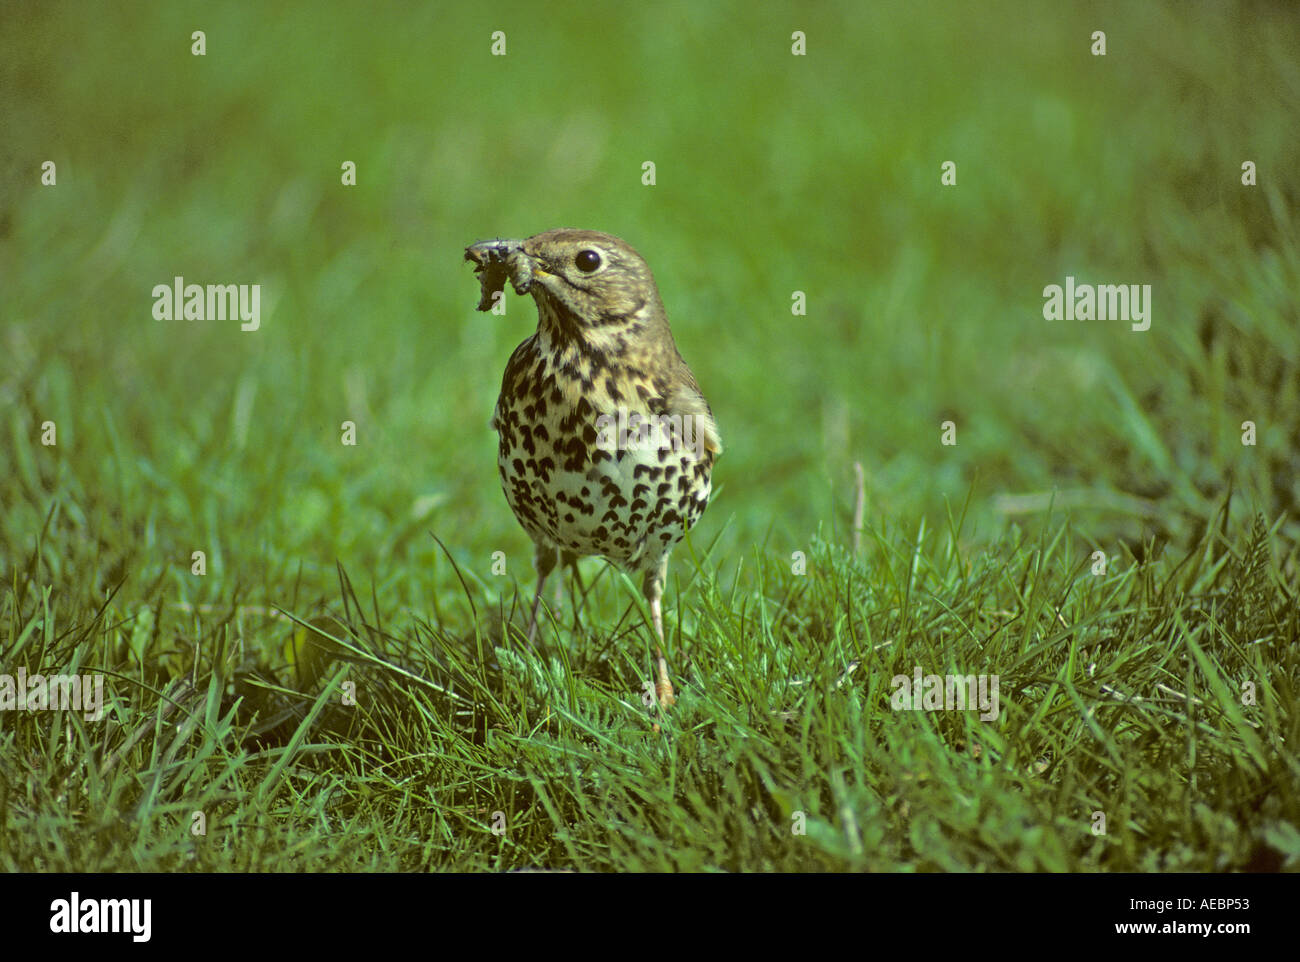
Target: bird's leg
[
  {"x": 654, "y": 593},
  {"x": 579, "y": 589},
  {"x": 567, "y": 560},
  {"x": 532, "y": 617},
  {"x": 544, "y": 559},
  {"x": 557, "y": 602}
]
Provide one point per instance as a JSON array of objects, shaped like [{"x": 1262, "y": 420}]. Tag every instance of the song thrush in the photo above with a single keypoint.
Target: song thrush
[{"x": 606, "y": 443}]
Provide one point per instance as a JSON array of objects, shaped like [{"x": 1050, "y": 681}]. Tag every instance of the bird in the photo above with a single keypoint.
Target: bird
[{"x": 606, "y": 442}]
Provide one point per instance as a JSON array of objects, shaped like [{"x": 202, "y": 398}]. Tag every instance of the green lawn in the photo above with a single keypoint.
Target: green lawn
[{"x": 1153, "y": 690}]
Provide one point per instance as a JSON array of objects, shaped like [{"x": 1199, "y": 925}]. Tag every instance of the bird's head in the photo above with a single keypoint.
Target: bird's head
[{"x": 588, "y": 285}]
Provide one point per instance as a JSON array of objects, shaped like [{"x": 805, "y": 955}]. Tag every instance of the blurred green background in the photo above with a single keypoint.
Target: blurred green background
[{"x": 775, "y": 173}]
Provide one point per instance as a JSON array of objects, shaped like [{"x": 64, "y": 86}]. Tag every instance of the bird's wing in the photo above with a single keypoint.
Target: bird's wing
[{"x": 687, "y": 400}]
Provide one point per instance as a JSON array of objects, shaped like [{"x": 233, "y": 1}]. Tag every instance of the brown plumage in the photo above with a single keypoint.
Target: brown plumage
[{"x": 606, "y": 442}]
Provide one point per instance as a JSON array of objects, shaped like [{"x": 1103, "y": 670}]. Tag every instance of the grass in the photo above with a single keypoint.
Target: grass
[
  {"x": 339, "y": 690},
  {"x": 1120, "y": 695}
]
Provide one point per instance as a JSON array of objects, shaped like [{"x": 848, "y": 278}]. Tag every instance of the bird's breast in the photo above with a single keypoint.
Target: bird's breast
[{"x": 592, "y": 462}]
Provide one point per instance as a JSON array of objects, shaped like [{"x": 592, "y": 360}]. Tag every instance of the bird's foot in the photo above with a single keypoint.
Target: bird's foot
[{"x": 663, "y": 686}]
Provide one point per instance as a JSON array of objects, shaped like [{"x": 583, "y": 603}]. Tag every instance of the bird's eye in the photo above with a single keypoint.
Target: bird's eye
[{"x": 587, "y": 261}]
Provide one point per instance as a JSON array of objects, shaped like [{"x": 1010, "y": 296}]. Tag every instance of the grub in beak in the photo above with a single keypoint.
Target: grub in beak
[{"x": 497, "y": 261}]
